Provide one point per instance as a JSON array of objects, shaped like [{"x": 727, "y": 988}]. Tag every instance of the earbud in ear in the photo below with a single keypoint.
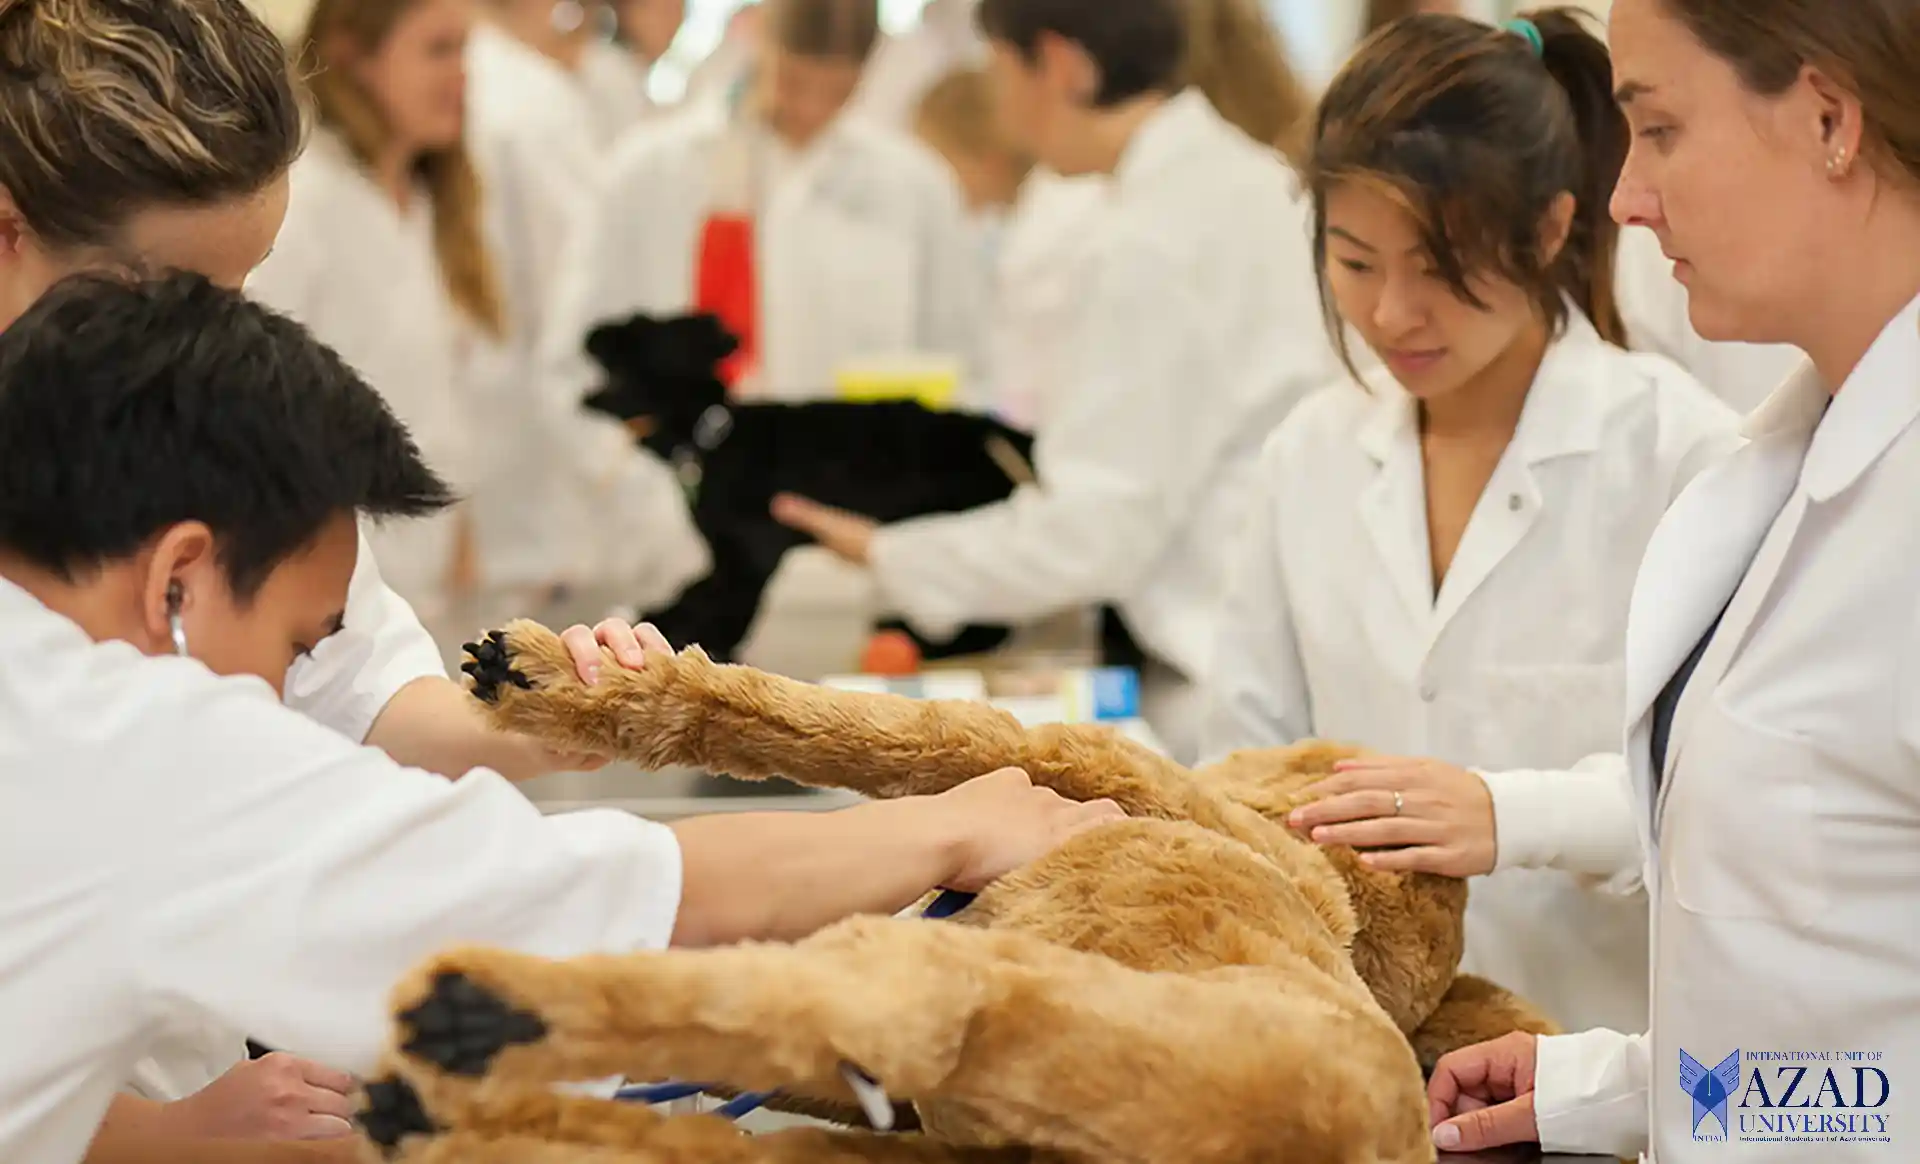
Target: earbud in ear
[{"x": 176, "y": 597}]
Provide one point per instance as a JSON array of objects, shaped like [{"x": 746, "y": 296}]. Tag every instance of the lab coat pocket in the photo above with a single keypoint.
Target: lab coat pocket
[{"x": 1741, "y": 824}]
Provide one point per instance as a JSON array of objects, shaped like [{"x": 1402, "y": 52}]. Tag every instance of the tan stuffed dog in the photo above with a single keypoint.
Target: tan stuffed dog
[{"x": 1194, "y": 983}]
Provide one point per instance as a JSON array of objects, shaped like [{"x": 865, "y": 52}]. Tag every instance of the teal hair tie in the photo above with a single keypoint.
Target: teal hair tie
[{"x": 1528, "y": 31}]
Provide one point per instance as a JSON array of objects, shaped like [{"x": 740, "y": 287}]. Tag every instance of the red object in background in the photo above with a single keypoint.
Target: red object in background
[
  {"x": 890, "y": 652},
  {"x": 725, "y": 284}
]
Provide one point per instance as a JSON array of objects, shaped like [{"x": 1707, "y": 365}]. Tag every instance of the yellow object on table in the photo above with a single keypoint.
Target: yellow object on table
[{"x": 934, "y": 381}]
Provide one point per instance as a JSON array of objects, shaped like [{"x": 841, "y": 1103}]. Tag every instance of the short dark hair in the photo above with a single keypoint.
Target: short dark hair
[
  {"x": 1140, "y": 46},
  {"x": 128, "y": 405}
]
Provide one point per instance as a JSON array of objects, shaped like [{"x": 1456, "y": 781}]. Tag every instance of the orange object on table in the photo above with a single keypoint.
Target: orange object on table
[
  {"x": 890, "y": 652},
  {"x": 726, "y": 285}
]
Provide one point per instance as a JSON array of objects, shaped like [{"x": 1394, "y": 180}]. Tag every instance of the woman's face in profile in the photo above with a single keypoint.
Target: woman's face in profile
[{"x": 1732, "y": 183}]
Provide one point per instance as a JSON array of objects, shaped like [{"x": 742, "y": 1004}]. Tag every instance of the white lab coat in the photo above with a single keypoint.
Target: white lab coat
[
  {"x": 364, "y": 277},
  {"x": 1201, "y": 328},
  {"x": 863, "y": 249},
  {"x": 251, "y": 871},
  {"x": 1781, "y": 841},
  {"x": 616, "y": 83},
  {"x": 1653, "y": 304},
  {"x": 535, "y": 136},
  {"x": 572, "y": 499},
  {"x": 1332, "y": 629},
  {"x": 1040, "y": 286},
  {"x": 344, "y": 685}
]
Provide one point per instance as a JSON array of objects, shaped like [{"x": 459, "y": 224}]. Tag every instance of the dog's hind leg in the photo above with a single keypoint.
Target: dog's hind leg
[{"x": 989, "y": 1033}]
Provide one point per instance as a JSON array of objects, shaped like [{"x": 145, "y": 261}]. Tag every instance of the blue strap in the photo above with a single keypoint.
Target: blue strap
[{"x": 948, "y": 903}]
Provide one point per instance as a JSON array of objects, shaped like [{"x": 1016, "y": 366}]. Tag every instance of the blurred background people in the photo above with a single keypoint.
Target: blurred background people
[{"x": 821, "y": 241}]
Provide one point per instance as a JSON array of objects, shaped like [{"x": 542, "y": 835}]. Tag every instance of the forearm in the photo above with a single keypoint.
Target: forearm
[
  {"x": 140, "y": 1131},
  {"x": 1579, "y": 820},
  {"x": 781, "y": 876},
  {"x": 432, "y": 724}
]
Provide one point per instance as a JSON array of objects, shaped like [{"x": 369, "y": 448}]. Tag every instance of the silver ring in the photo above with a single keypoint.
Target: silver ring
[{"x": 1398, "y": 804}]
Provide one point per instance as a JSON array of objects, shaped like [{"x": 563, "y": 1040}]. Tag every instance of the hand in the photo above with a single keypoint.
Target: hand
[
  {"x": 1005, "y": 821},
  {"x": 275, "y": 1097},
  {"x": 847, "y": 534},
  {"x": 1444, "y": 817},
  {"x": 1481, "y": 1096},
  {"x": 630, "y": 645}
]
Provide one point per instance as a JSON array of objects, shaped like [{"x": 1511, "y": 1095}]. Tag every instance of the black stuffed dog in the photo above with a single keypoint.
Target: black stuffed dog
[{"x": 888, "y": 460}]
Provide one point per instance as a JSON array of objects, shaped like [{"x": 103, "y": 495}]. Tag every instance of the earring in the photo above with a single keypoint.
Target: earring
[
  {"x": 1837, "y": 164},
  {"x": 175, "y": 623}
]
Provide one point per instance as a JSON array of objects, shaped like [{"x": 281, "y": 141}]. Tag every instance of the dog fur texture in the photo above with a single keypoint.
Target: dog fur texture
[{"x": 1194, "y": 983}]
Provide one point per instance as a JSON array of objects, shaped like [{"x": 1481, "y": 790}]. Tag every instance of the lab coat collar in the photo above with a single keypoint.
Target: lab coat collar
[
  {"x": 1563, "y": 414},
  {"x": 1879, "y": 401},
  {"x": 1163, "y": 139}
]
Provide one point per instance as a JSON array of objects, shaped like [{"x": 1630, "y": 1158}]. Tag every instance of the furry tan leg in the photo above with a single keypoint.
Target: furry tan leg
[
  {"x": 1473, "y": 1011},
  {"x": 1052, "y": 1047},
  {"x": 685, "y": 709},
  {"x": 536, "y": 1123},
  {"x": 794, "y": 1146},
  {"x": 736, "y": 721}
]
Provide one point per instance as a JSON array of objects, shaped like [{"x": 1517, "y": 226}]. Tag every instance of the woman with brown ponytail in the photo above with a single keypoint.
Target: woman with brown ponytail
[
  {"x": 388, "y": 254},
  {"x": 1442, "y": 552}
]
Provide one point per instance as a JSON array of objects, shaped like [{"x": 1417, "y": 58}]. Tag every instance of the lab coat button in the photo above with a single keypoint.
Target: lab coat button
[
  {"x": 1427, "y": 692},
  {"x": 1514, "y": 502}
]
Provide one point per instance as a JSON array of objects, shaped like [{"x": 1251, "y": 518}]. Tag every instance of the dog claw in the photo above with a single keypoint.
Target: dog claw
[
  {"x": 462, "y": 1026},
  {"x": 392, "y": 1113},
  {"x": 873, "y": 1099},
  {"x": 489, "y": 665}
]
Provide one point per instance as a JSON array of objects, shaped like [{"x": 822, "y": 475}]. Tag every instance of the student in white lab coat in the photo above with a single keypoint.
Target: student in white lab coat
[
  {"x": 1441, "y": 555},
  {"x": 383, "y": 256},
  {"x": 257, "y": 871},
  {"x": 1772, "y": 740},
  {"x": 159, "y": 133},
  {"x": 389, "y": 254},
  {"x": 1235, "y": 57},
  {"x": 821, "y": 240},
  {"x": 1200, "y": 328}
]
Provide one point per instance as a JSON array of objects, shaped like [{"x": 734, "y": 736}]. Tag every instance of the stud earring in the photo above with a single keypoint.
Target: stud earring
[{"x": 1837, "y": 164}]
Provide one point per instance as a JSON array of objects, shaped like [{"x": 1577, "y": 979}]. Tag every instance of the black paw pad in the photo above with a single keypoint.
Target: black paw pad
[
  {"x": 462, "y": 1025},
  {"x": 393, "y": 1112},
  {"x": 489, "y": 664}
]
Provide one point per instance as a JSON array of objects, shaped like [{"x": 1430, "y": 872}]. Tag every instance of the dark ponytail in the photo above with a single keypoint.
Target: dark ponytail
[
  {"x": 1477, "y": 131},
  {"x": 1579, "y": 61}
]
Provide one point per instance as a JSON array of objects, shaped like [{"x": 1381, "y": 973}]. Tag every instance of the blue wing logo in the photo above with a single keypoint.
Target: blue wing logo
[{"x": 1710, "y": 1089}]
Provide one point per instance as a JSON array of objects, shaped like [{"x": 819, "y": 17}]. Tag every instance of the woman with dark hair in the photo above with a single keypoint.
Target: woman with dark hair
[
  {"x": 182, "y": 474},
  {"x": 1772, "y": 690},
  {"x": 1442, "y": 553}
]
